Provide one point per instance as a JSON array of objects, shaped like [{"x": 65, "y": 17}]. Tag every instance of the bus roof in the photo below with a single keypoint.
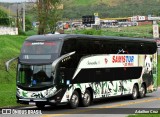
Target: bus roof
[{"x": 49, "y": 37}]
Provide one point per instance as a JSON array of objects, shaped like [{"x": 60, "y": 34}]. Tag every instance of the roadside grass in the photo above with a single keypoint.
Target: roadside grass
[
  {"x": 9, "y": 48},
  {"x": 32, "y": 32},
  {"x": 133, "y": 31},
  {"x": 8, "y": 95}
]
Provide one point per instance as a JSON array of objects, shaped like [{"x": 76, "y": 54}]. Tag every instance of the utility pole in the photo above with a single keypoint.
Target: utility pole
[
  {"x": 17, "y": 17},
  {"x": 9, "y": 16},
  {"x": 23, "y": 19}
]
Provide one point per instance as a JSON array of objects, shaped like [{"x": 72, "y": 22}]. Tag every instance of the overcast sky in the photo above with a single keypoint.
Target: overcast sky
[{"x": 15, "y": 0}]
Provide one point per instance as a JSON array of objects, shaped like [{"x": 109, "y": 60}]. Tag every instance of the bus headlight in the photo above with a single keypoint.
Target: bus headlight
[{"x": 18, "y": 92}]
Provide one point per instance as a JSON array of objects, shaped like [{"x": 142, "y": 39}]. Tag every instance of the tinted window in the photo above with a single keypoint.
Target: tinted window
[
  {"x": 108, "y": 47},
  {"x": 147, "y": 48},
  {"x": 40, "y": 47},
  {"x": 96, "y": 47},
  {"x": 122, "y": 47},
  {"x": 107, "y": 74},
  {"x": 68, "y": 46},
  {"x": 82, "y": 47},
  {"x": 89, "y": 47},
  {"x": 112, "y": 47},
  {"x": 34, "y": 76}
]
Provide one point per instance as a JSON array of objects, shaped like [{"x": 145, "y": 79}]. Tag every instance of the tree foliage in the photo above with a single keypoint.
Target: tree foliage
[
  {"x": 4, "y": 20},
  {"x": 28, "y": 24},
  {"x": 48, "y": 15},
  {"x": 3, "y": 14}
]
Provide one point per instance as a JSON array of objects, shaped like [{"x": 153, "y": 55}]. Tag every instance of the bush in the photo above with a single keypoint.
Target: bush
[
  {"x": 89, "y": 32},
  {"x": 20, "y": 32},
  {"x": 4, "y": 21}
]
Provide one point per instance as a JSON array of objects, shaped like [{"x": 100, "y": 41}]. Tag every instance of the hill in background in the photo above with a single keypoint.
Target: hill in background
[
  {"x": 110, "y": 8},
  {"x": 74, "y": 9}
]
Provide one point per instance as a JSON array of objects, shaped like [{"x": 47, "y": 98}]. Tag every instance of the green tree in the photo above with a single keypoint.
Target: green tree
[
  {"x": 28, "y": 24},
  {"x": 48, "y": 15},
  {"x": 4, "y": 20},
  {"x": 3, "y": 14}
]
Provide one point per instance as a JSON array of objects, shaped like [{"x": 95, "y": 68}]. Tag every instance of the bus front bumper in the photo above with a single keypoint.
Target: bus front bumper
[{"x": 34, "y": 101}]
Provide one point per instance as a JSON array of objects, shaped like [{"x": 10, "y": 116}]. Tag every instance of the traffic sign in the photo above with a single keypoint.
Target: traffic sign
[
  {"x": 96, "y": 14},
  {"x": 155, "y": 31}
]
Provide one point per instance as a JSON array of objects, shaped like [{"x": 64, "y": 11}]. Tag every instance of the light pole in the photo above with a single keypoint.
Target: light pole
[
  {"x": 23, "y": 18},
  {"x": 17, "y": 17}
]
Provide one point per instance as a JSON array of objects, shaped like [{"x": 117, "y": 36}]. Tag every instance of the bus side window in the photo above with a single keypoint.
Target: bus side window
[
  {"x": 146, "y": 48},
  {"x": 142, "y": 48},
  {"x": 67, "y": 65},
  {"x": 150, "y": 48},
  {"x": 108, "y": 48},
  {"x": 132, "y": 48},
  {"x": 68, "y": 46},
  {"x": 96, "y": 47},
  {"x": 82, "y": 47}
]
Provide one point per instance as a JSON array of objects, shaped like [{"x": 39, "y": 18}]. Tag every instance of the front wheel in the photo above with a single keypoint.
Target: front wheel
[
  {"x": 134, "y": 92},
  {"x": 86, "y": 100},
  {"x": 74, "y": 101},
  {"x": 142, "y": 92}
]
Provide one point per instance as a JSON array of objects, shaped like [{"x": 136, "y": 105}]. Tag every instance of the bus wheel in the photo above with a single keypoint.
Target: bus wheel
[
  {"x": 40, "y": 106},
  {"x": 142, "y": 93},
  {"x": 74, "y": 102},
  {"x": 134, "y": 92},
  {"x": 86, "y": 100}
]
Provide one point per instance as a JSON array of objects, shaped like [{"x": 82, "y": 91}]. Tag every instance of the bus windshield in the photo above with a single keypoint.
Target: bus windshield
[
  {"x": 40, "y": 48},
  {"x": 34, "y": 75}
]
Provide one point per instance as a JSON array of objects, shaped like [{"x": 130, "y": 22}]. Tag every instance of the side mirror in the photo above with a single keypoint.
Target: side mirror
[{"x": 8, "y": 63}]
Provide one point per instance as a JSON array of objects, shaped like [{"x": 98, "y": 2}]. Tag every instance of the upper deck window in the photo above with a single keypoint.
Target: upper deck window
[{"x": 40, "y": 48}]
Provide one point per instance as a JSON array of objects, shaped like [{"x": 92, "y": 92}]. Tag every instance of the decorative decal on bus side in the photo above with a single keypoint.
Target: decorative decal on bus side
[
  {"x": 125, "y": 60},
  {"x": 106, "y": 61},
  {"x": 101, "y": 89},
  {"x": 93, "y": 63},
  {"x": 149, "y": 75}
]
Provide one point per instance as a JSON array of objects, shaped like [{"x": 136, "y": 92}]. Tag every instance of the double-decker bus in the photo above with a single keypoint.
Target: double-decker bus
[{"x": 77, "y": 69}]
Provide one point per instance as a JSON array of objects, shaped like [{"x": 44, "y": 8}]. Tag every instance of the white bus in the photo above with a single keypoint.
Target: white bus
[{"x": 77, "y": 69}]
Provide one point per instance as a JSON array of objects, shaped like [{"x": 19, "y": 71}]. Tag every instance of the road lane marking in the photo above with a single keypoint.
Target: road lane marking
[{"x": 101, "y": 107}]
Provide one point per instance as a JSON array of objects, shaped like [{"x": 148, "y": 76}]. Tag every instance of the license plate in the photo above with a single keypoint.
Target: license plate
[{"x": 32, "y": 103}]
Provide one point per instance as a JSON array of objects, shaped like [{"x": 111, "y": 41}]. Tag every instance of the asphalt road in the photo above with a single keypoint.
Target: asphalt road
[
  {"x": 159, "y": 51},
  {"x": 115, "y": 107}
]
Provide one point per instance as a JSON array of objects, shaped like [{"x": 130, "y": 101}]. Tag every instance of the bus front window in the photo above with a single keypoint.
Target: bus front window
[
  {"x": 34, "y": 75},
  {"x": 40, "y": 48}
]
